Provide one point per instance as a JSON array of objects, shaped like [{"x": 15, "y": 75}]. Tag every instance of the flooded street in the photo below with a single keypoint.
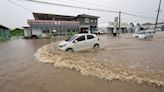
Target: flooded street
[{"x": 121, "y": 64}]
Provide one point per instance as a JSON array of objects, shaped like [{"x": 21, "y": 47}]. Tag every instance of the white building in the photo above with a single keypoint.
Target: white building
[{"x": 123, "y": 27}]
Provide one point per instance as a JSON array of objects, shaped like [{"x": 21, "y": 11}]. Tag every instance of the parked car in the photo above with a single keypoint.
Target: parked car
[
  {"x": 79, "y": 42},
  {"x": 148, "y": 34},
  {"x": 158, "y": 29},
  {"x": 99, "y": 32}
]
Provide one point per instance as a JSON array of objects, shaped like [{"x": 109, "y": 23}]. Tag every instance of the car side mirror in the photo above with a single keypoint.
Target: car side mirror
[{"x": 75, "y": 41}]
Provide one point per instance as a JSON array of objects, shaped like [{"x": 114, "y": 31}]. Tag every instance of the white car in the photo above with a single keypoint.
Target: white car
[
  {"x": 99, "y": 32},
  {"x": 79, "y": 42},
  {"x": 144, "y": 34}
]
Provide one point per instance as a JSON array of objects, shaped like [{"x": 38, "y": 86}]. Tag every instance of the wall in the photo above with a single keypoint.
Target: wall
[
  {"x": 27, "y": 32},
  {"x": 37, "y": 32}
]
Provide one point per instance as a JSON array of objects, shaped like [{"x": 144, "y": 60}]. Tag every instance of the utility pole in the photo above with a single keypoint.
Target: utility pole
[
  {"x": 157, "y": 16},
  {"x": 119, "y": 23}
]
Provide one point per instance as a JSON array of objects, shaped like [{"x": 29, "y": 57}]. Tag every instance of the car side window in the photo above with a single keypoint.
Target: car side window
[
  {"x": 90, "y": 37},
  {"x": 81, "y": 38},
  {"x": 149, "y": 32}
]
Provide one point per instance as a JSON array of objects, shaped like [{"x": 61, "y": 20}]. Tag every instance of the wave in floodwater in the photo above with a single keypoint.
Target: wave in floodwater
[{"x": 93, "y": 67}]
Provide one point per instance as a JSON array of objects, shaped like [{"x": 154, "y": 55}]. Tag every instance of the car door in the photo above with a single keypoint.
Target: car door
[
  {"x": 148, "y": 34},
  {"x": 90, "y": 41},
  {"x": 79, "y": 43}
]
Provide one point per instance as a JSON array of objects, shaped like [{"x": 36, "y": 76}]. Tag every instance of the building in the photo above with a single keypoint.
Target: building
[
  {"x": 4, "y": 33},
  {"x": 123, "y": 27},
  {"x": 61, "y": 25},
  {"x": 148, "y": 25},
  {"x": 87, "y": 22}
]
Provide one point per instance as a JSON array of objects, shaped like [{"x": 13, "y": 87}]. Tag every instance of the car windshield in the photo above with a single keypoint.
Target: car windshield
[
  {"x": 141, "y": 33},
  {"x": 71, "y": 38}
]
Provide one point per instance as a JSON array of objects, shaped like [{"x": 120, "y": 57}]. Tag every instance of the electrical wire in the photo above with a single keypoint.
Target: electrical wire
[
  {"x": 20, "y": 6},
  {"x": 70, "y": 6},
  {"x": 77, "y": 1},
  {"x": 134, "y": 15}
]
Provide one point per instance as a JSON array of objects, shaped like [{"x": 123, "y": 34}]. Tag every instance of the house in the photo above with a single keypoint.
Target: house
[
  {"x": 4, "y": 33},
  {"x": 87, "y": 22},
  {"x": 51, "y": 24}
]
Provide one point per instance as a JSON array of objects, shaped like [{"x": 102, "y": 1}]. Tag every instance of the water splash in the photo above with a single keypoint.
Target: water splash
[{"x": 94, "y": 67}]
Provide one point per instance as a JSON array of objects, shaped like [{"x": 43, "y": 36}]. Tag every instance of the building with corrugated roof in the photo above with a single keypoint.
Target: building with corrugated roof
[
  {"x": 61, "y": 25},
  {"x": 4, "y": 33}
]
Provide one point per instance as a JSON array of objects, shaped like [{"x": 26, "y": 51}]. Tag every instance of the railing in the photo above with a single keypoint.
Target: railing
[{"x": 51, "y": 22}]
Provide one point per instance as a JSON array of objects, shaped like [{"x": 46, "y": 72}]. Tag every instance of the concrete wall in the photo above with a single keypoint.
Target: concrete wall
[
  {"x": 27, "y": 32},
  {"x": 37, "y": 32}
]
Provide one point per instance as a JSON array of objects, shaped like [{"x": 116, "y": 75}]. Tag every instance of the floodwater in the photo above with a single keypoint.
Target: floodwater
[{"x": 122, "y": 64}]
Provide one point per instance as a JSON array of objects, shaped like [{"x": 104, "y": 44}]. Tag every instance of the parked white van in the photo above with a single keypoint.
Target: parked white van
[{"x": 79, "y": 42}]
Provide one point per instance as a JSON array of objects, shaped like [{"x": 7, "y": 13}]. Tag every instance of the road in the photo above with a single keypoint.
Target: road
[{"x": 21, "y": 72}]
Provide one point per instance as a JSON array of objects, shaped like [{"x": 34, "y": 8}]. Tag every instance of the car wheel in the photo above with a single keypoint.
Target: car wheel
[
  {"x": 69, "y": 50},
  {"x": 145, "y": 38},
  {"x": 148, "y": 38},
  {"x": 96, "y": 46}
]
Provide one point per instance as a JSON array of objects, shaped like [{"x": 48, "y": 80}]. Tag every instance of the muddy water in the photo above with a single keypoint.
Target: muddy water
[
  {"x": 20, "y": 71},
  {"x": 121, "y": 58}
]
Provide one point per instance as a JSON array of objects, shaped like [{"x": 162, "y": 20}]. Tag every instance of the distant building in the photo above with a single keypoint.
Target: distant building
[
  {"x": 123, "y": 27},
  {"x": 27, "y": 31},
  {"x": 4, "y": 33},
  {"x": 148, "y": 25},
  {"x": 60, "y": 25}
]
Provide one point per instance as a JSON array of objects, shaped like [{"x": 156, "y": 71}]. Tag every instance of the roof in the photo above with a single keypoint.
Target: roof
[
  {"x": 88, "y": 16},
  {"x": 25, "y": 27},
  {"x": 1, "y": 26},
  {"x": 147, "y": 24},
  {"x": 45, "y": 16}
]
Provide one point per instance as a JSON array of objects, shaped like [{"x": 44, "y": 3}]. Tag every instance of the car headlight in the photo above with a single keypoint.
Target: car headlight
[{"x": 62, "y": 45}]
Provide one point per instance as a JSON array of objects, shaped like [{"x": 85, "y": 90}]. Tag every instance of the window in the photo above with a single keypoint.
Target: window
[
  {"x": 86, "y": 20},
  {"x": 71, "y": 38},
  {"x": 45, "y": 31},
  {"x": 149, "y": 32},
  {"x": 81, "y": 38},
  {"x": 90, "y": 36}
]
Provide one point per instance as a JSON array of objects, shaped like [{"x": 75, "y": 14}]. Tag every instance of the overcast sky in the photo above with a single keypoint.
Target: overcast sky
[{"x": 13, "y": 16}]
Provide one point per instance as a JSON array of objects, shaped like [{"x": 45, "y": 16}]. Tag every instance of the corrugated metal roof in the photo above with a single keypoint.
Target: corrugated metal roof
[{"x": 1, "y": 26}]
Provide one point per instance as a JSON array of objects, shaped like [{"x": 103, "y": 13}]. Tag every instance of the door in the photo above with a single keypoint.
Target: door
[
  {"x": 90, "y": 41},
  {"x": 80, "y": 44}
]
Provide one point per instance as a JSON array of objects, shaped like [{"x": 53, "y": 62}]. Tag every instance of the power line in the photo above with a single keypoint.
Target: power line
[
  {"x": 19, "y": 5},
  {"x": 134, "y": 15},
  {"x": 76, "y": 1},
  {"x": 102, "y": 10},
  {"x": 70, "y": 6}
]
